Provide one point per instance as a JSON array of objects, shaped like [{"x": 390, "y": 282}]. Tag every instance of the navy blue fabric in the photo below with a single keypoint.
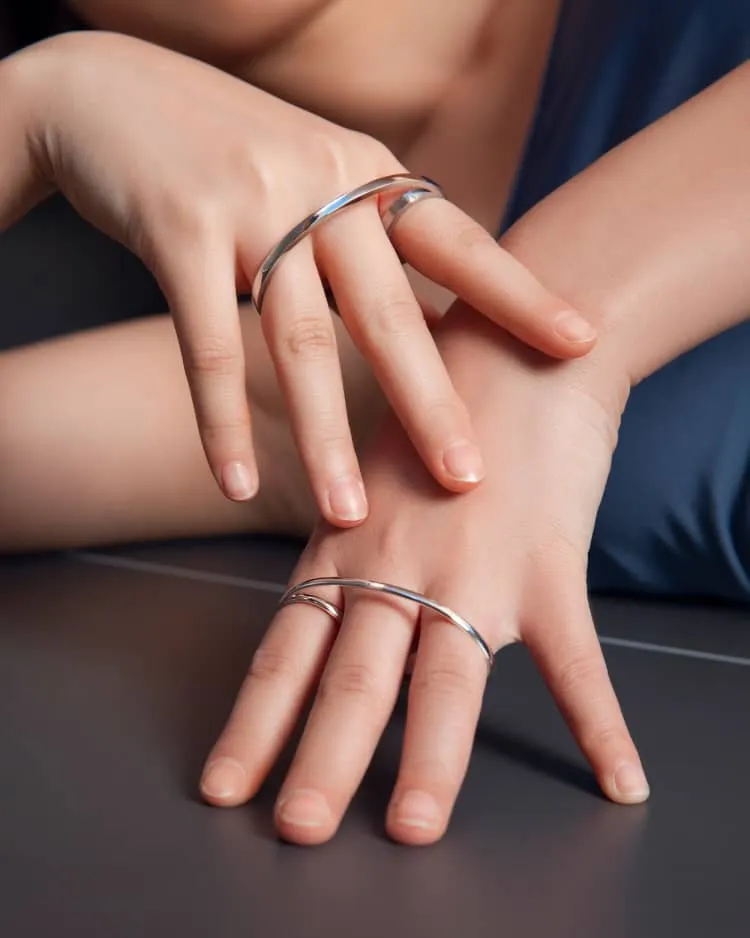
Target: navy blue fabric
[{"x": 675, "y": 517}]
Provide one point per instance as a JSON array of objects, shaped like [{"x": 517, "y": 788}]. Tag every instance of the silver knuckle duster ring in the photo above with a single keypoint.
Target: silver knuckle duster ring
[
  {"x": 299, "y": 593},
  {"x": 412, "y": 190}
]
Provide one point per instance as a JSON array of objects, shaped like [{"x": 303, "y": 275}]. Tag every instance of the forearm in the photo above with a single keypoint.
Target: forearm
[
  {"x": 652, "y": 242},
  {"x": 21, "y": 183}
]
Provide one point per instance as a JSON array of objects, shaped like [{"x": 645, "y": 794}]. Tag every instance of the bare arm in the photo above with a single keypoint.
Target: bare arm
[{"x": 653, "y": 241}]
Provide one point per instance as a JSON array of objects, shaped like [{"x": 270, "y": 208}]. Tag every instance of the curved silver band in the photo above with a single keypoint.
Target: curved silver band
[
  {"x": 397, "y": 208},
  {"x": 301, "y": 230},
  {"x": 298, "y": 594},
  {"x": 311, "y": 599}
]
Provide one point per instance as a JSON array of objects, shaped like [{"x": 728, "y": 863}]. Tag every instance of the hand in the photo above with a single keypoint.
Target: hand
[
  {"x": 200, "y": 175},
  {"x": 510, "y": 556}
]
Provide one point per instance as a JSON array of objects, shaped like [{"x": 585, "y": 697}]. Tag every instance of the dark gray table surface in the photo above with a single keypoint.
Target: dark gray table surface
[{"x": 118, "y": 668}]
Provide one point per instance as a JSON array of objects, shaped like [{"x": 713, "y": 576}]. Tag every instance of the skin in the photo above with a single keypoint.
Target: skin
[
  {"x": 253, "y": 156},
  {"x": 510, "y": 555},
  {"x": 91, "y": 160}
]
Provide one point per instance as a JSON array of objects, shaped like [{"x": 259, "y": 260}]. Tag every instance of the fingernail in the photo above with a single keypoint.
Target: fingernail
[
  {"x": 631, "y": 783},
  {"x": 574, "y": 328},
  {"x": 238, "y": 481},
  {"x": 463, "y": 461},
  {"x": 223, "y": 779},
  {"x": 418, "y": 809},
  {"x": 304, "y": 808},
  {"x": 346, "y": 496}
]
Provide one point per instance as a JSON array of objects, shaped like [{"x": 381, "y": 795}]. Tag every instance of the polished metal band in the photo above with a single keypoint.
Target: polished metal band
[
  {"x": 298, "y": 594},
  {"x": 415, "y": 184},
  {"x": 397, "y": 208}
]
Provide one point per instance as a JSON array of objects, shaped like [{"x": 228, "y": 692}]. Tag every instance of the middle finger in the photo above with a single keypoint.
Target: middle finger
[
  {"x": 357, "y": 694},
  {"x": 378, "y": 306},
  {"x": 445, "y": 699},
  {"x": 300, "y": 335}
]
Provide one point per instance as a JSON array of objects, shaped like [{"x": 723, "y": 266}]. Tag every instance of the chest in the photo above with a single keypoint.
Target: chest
[
  {"x": 449, "y": 87},
  {"x": 370, "y": 65}
]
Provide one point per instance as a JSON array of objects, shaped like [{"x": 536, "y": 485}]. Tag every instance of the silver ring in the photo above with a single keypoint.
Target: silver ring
[
  {"x": 301, "y": 230},
  {"x": 297, "y": 594},
  {"x": 311, "y": 599},
  {"x": 397, "y": 208}
]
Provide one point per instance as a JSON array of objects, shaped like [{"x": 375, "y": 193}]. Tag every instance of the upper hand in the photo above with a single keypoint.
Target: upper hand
[
  {"x": 510, "y": 556},
  {"x": 200, "y": 175}
]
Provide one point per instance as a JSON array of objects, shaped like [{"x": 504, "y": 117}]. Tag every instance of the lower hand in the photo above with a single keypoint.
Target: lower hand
[{"x": 509, "y": 556}]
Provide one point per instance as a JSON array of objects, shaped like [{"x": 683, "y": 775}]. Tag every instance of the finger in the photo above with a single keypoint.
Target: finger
[
  {"x": 449, "y": 247},
  {"x": 379, "y": 309},
  {"x": 357, "y": 693},
  {"x": 445, "y": 699},
  {"x": 282, "y": 676},
  {"x": 569, "y": 656},
  {"x": 199, "y": 284},
  {"x": 302, "y": 341}
]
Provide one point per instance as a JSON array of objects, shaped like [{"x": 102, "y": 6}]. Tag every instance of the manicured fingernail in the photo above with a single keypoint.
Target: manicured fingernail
[
  {"x": 463, "y": 461},
  {"x": 238, "y": 481},
  {"x": 417, "y": 809},
  {"x": 304, "y": 808},
  {"x": 574, "y": 328},
  {"x": 346, "y": 496},
  {"x": 631, "y": 783},
  {"x": 224, "y": 779}
]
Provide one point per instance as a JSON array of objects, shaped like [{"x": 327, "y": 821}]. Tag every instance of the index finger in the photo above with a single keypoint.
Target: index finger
[{"x": 442, "y": 242}]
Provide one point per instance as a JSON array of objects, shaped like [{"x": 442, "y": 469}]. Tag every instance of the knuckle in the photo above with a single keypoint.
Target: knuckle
[
  {"x": 605, "y": 737},
  {"x": 441, "y": 777},
  {"x": 269, "y": 666},
  {"x": 392, "y": 317},
  {"x": 333, "y": 438},
  {"x": 333, "y": 155},
  {"x": 216, "y": 430},
  {"x": 192, "y": 220},
  {"x": 577, "y": 672},
  {"x": 350, "y": 156},
  {"x": 378, "y": 155},
  {"x": 445, "y": 414},
  {"x": 308, "y": 339},
  {"x": 445, "y": 682},
  {"x": 391, "y": 544},
  {"x": 336, "y": 157},
  {"x": 213, "y": 358},
  {"x": 470, "y": 237},
  {"x": 352, "y": 681}
]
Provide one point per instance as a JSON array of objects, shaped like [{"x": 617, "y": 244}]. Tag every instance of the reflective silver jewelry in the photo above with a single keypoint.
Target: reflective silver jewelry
[
  {"x": 292, "y": 596},
  {"x": 413, "y": 184},
  {"x": 397, "y": 208},
  {"x": 298, "y": 594}
]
